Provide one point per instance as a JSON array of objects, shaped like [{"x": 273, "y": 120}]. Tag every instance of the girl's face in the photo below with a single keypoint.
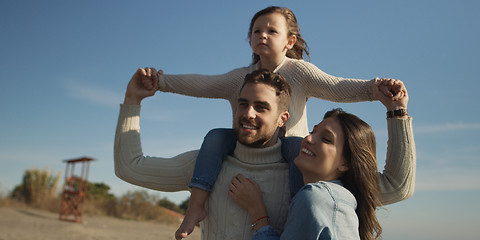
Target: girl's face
[
  {"x": 269, "y": 36},
  {"x": 321, "y": 154}
]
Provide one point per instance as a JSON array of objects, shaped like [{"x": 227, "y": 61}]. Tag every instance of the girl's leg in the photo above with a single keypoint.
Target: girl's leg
[
  {"x": 217, "y": 144},
  {"x": 290, "y": 150}
]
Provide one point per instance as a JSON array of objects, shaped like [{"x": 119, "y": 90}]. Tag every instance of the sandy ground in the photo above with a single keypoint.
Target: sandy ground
[{"x": 20, "y": 223}]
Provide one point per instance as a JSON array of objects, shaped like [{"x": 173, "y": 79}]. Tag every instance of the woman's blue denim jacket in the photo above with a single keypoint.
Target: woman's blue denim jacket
[{"x": 321, "y": 210}]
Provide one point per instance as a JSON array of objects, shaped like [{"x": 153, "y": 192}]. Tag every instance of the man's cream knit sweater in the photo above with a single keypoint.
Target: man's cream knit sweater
[{"x": 225, "y": 219}]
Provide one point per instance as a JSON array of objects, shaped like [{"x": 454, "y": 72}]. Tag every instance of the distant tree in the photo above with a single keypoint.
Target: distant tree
[
  {"x": 99, "y": 191},
  {"x": 184, "y": 205},
  {"x": 164, "y": 202}
]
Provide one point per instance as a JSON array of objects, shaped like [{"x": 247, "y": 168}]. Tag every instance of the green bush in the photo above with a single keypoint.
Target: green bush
[
  {"x": 139, "y": 205},
  {"x": 38, "y": 188},
  {"x": 99, "y": 191},
  {"x": 164, "y": 202},
  {"x": 184, "y": 205}
]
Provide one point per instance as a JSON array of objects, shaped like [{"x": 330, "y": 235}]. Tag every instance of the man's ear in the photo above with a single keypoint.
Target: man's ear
[
  {"x": 282, "y": 119},
  {"x": 291, "y": 41}
]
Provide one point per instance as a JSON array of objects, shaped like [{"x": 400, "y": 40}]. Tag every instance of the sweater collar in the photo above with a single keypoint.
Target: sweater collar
[
  {"x": 251, "y": 155},
  {"x": 257, "y": 65}
]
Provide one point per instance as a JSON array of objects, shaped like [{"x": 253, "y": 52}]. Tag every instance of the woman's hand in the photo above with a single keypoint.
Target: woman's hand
[{"x": 248, "y": 195}]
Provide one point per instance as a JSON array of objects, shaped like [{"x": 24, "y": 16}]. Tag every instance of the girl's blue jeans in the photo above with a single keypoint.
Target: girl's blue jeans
[{"x": 220, "y": 142}]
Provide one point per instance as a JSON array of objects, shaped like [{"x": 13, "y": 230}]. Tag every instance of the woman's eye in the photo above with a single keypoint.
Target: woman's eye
[{"x": 326, "y": 140}]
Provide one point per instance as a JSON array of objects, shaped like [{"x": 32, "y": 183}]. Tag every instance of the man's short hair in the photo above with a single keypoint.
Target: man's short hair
[{"x": 275, "y": 80}]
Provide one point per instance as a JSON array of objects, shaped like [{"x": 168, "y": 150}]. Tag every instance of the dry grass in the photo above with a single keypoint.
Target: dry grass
[
  {"x": 140, "y": 211},
  {"x": 39, "y": 190}
]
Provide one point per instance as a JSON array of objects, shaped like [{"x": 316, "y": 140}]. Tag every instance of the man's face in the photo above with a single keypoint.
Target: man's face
[{"x": 258, "y": 116}]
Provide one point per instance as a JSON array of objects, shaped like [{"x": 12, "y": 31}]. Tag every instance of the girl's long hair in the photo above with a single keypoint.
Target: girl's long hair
[
  {"x": 361, "y": 179},
  {"x": 300, "y": 48}
]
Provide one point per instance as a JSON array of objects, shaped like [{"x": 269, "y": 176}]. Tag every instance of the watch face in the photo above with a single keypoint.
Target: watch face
[{"x": 397, "y": 113}]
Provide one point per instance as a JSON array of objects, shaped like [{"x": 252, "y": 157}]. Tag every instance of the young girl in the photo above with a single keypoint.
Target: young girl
[
  {"x": 279, "y": 47},
  {"x": 340, "y": 195}
]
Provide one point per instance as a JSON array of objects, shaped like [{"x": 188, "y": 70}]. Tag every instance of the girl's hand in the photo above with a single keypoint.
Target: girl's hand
[
  {"x": 391, "y": 88},
  {"x": 248, "y": 195},
  {"x": 150, "y": 78},
  {"x": 392, "y": 103}
]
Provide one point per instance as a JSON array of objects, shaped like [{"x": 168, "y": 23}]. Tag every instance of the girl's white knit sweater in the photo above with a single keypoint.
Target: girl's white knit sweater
[{"x": 305, "y": 79}]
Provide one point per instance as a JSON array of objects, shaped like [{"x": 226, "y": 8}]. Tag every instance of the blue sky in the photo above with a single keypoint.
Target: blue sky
[{"x": 64, "y": 66}]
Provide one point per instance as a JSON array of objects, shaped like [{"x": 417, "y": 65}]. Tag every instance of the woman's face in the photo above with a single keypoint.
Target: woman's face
[{"x": 321, "y": 154}]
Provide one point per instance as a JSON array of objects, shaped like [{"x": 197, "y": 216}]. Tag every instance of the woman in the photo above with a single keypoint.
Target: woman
[{"x": 339, "y": 169}]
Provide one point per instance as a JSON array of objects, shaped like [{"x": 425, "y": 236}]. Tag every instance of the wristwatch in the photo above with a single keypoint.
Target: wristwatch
[{"x": 397, "y": 113}]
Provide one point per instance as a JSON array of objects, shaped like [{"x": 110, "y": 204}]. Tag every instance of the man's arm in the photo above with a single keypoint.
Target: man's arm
[
  {"x": 397, "y": 182},
  {"x": 164, "y": 174}
]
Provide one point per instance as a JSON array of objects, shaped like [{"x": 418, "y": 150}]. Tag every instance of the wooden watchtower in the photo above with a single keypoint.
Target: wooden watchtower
[{"x": 74, "y": 190}]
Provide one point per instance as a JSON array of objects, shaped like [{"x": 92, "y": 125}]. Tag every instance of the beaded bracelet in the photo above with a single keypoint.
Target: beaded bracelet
[{"x": 259, "y": 220}]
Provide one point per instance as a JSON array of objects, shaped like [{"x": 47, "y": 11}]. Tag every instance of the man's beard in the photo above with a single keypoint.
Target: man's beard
[{"x": 257, "y": 141}]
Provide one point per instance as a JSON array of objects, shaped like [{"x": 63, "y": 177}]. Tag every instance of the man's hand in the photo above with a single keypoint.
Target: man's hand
[{"x": 136, "y": 90}]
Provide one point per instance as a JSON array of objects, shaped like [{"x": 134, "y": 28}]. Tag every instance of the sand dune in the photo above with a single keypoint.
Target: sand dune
[{"x": 25, "y": 223}]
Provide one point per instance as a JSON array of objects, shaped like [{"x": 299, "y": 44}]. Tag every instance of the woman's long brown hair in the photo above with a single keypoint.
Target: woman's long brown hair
[{"x": 361, "y": 179}]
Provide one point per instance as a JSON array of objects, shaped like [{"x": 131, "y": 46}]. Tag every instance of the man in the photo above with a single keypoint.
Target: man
[{"x": 261, "y": 113}]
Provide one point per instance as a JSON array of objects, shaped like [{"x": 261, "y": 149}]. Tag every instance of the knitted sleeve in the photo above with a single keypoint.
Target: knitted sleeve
[
  {"x": 397, "y": 182},
  {"x": 205, "y": 86},
  {"x": 316, "y": 83},
  {"x": 163, "y": 174}
]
